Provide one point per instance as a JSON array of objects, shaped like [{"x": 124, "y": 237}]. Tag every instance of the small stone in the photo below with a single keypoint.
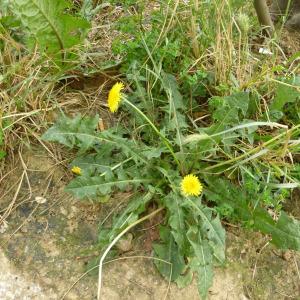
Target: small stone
[
  {"x": 3, "y": 226},
  {"x": 63, "y": 211},
  {"x": 125, "y": 243},
  {"x": 24, "y": 229},
  {"x": 265, "y": 51},
  {"x": 287, "y": 255},
  {"x": 40, "y": 199}
]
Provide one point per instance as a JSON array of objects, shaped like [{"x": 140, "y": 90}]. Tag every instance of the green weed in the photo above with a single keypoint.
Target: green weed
[
  {"x": 154, "y": 151},
  {"x": 208, "y": 129},
  {"x": 239, "y": 153}
]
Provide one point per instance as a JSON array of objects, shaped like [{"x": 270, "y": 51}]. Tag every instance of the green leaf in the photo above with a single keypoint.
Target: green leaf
[
  {"x": 202, "y": 261},
  {"x": 2, "y": 154},
  {"x": 135, "y": 207},
  {"x": 9, "y": 22},
  {"x": 1, "y": 135},
  {"x": 215, "y": 233},
  {"x": 229, "y": 109},
  {"x": 172, "y": 89},
  {"x": 174, "y": 203},
  {"x": 151, "y": 152},
  {"x": 176, "y": 119},
  {"x": 95, "y": 163},
  {"x": 172, "y": 264},
  {"x": 212, "y": 228},
  {"x": 74, "y": 132},
  {"x": 81, "y": 132},
  {"x": 285, "y": 232},
  {"x": 287, "y": 91},
  {"x": 185, "y": 280},
  {"x": 205, "y": 279},
  {"x": 48, "y": 23},
  {"x": 83, "y": 186}
]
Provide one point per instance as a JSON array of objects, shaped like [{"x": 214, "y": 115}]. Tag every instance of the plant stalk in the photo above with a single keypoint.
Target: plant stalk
[
  {"x": 194, "y": 25},
  {"x": 263, "y": 16},
  {"x": 164, "y": 139}
]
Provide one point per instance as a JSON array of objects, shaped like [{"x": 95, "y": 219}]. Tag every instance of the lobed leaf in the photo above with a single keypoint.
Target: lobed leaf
[
  {"x": 74, "y": 132},
  {"x": 176, "y": 119},
  {"x": 172, "y": 262},
  {"x": 81, "y": 132},
  {"x": 49, "y": 25},
  {"x": 135, "y": 207},
  {"x": 202, "y": 262},
  {"x": 229, "y": 109},
  {"x": 286, "y": 92},
  {"x": 95, "y": 163},
  {"x": 83, "y": 186},
  {"x": 212, "y": 229},
  {"x": 285, "y": 232},
  {"x": 177, "y": 217}
]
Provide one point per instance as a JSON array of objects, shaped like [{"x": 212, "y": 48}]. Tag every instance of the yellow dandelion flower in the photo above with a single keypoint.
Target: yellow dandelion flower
[
  {"x": 76, "y": 170},
  {"x": 114, "y": 96},
  {"x": 191, "y": 185}
]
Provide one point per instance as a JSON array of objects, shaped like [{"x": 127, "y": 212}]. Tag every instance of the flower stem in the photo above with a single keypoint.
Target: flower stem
[{"x": 164, "y": 139}]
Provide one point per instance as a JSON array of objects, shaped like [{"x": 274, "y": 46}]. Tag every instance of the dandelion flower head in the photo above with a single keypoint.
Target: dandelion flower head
[
  {"x": 114, "y": 96},
  {"x": 76, "y": 170},
  {"x": 191, "y": 185}
]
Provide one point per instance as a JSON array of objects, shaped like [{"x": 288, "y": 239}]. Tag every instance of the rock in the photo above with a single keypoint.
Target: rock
[{"x": 125, "y": 243}]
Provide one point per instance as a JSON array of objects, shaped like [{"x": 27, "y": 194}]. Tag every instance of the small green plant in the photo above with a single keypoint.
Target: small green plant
[
  {"x": 49, "y": 25},
  {"x": 235, "y": 165},
  {"x": 157, "y": 156},
  {"x": 287, "y": 99}
]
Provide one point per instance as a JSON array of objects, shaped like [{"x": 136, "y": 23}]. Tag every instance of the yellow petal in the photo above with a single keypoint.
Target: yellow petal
[
  {"x": 76, "y": 170},
  {"x": 115, "y": 96},
  {"x": 191, "y": 185}
]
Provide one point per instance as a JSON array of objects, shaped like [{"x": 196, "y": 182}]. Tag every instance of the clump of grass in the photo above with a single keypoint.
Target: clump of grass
[
  {"x": 36, "y": 57},
  {"x": 25, "y": 91}
]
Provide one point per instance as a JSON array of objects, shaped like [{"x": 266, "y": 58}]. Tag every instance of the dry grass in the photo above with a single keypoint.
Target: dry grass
[{"x": 33, "y": 95}]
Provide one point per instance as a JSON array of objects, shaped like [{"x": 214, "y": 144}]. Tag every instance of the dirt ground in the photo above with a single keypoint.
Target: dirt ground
[{"x": 48, "y": 241}]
